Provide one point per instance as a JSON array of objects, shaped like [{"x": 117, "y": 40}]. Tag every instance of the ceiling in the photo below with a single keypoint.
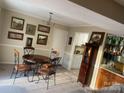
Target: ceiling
[{"x": 64, "y": 12}]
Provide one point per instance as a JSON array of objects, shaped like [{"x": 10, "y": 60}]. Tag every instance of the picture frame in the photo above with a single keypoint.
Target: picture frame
[
  {"x": 17, "y": 23},
  {"x": 29, "y": 41},
  {"x": 42, "y": 39},
  {"x": 79, "y": 50},
  {"x": 97, "y": 38},
  {"x": 15, "y": 35},
  {"x": 30, "y": 29},
  {"x": 70, "y": 41},
  {"x": 43, "y": 28}
]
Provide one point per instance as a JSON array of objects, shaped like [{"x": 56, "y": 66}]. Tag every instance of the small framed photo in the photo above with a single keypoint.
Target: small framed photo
[
  {"x": 30, "y": 29},
  {"x": 43, "y": 28},
  {"x": 29, "y": 41},
  {"x": 97, "y": 38},
  {"x": 70, "y": 41},
  {"x": 42, "y": 39},
  {"x": 17, "y": 23},
  {"x": 15, "y": 35}
]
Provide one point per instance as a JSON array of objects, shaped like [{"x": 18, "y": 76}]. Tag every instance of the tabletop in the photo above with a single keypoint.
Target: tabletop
[{"x": 34, "y": 58}]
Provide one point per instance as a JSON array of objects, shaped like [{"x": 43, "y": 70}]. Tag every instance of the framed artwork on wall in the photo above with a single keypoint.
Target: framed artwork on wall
[
  {"x": 30, "y": 29},
  {"x": 70, "y": 41},
  {"x": 42, "y": 39},
  {"x": 17, "y": 23},
  {"x": 97, "y": 38},
  {"x": 43, "y": 28},
  {"x": 29, "y": 41},
  {"x": 15, "y": 35}
]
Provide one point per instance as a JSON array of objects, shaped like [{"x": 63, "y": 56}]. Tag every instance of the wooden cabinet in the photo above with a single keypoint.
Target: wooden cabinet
[
  {"x": 106, "y": 78},
  {"x": 87, "y": 65}
]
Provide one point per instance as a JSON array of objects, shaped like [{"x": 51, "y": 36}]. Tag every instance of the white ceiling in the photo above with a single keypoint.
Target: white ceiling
[{"x": 65, "y": 12}]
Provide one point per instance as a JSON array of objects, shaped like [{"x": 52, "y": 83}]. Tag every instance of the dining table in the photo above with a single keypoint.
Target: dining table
[{"x": 36, "y": 59}]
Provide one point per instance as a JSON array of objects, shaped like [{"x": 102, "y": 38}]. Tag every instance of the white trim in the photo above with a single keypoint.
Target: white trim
[
  {"x": 11, "y": 45},
  {"x": 4, "y": 62},
  {"x": 43, "y": 49}
]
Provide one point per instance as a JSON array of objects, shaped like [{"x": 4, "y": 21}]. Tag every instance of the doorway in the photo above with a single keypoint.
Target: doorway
[{"x": 78, "y": 49}]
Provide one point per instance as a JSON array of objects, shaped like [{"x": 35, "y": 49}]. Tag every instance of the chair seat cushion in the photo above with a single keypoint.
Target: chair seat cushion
[
  {"x": 45, "y": 71},
  {"x": 22, "y": 67}
]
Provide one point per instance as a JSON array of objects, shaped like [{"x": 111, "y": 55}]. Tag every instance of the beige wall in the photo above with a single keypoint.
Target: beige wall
[
  {"x": 0, "y": 21},
  {"x": 7, "y": 45}
]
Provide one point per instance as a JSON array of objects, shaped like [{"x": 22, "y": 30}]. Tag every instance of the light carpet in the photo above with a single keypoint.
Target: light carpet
[{"x": 65, "y": 83}]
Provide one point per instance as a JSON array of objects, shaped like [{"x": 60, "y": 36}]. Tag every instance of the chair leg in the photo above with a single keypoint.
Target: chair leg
[
  {"x": 38, "y": 78},
  {"x": 48, "y": 83},
  {"x": 34, "y": 72},
  {"x": 54, "y": 79},
  {"x": 12, "y": 73},
  {"x": 28, "y": 76},
  {"x": 15, "y": 77}
]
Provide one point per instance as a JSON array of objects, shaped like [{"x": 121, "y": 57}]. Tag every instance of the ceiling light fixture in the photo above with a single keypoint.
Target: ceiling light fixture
[{"x": 50, "y": 18}]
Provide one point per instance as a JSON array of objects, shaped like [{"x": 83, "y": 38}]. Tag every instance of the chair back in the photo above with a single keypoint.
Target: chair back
[
  {"x": 28, "y": 50},
  {"x": 54, "y": 53},
  {"x": 16, "y": 56},
  {"x": 56, "y": 61}
]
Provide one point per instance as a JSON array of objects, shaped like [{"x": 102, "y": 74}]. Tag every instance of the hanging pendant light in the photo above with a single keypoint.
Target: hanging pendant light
[{"x": 50, "y": 18}]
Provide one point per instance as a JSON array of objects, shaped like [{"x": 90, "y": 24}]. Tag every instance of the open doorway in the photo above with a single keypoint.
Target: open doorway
[{"x": 78, "y": 49}]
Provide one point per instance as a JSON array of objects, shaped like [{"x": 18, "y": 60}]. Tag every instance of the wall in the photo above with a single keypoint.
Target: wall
[
  {"x": 7, "y": 45},
  {"x": 0, "y": 21}
]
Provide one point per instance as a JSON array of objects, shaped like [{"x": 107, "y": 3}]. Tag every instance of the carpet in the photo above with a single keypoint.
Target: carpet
[{"x": 65, "y": 83}]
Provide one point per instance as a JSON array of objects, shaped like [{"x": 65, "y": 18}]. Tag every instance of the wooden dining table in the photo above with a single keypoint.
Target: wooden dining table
[{"x": 35, "y": 58}]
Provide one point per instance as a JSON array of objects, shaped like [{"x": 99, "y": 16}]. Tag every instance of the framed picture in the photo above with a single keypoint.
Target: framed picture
[
  {"x": 79, "y": 50},
  {"x": 30, "y": 29},
  {"x": 43, "y": 28},
  {"x": 70, "y": 41},
  {"x": 15, "y": 35},
  {"x": 29, "y": 41},
  {"x": 17, "y": 23},
  {"x": 97, "y": 38},
  {"x": 42, "y": 39}
]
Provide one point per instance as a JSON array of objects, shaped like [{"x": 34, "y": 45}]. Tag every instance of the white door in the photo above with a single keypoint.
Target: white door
[{"x": 59, "y": 40}]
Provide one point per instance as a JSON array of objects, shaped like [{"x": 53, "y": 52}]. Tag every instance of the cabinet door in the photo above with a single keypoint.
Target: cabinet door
[
  {"x": 85, "y": 65},
  {"x": 82, "y": 73},
  {"x": 106, "y": 78}
]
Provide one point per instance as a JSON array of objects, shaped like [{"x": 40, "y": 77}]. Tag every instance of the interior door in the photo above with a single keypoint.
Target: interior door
[{"x": 59, "y": 40}]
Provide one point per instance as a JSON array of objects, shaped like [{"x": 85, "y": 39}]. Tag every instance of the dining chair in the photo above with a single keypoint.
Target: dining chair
[
  {"x": 18, "y": 68},
  {"x": 56, "y": 61},
  {"x": 47, "y": 71},
  {"x": 54, "y": 53},
  {"x": 29, "y": 50}
]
